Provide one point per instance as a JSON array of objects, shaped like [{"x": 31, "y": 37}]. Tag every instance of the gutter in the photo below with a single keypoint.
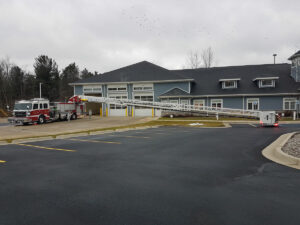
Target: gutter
[
  {"x": 134, "y": 82},
  {"x": 229, "y": 95}
]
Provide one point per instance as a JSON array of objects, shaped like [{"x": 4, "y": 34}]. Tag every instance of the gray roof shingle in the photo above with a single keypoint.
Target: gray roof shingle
[
  {"x": 142, "y": 71},
  {"x": 297, "y": 54},
  {"x": 207, "y": 80}
]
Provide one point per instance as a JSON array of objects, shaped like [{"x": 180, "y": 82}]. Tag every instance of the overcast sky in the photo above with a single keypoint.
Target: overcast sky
[{"x": 103, "y": 35}]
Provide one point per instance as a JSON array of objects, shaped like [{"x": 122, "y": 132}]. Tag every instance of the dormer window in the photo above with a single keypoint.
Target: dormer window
[
  {"x": 265, "y": 82},
  {"x": 229, "y": 83}
]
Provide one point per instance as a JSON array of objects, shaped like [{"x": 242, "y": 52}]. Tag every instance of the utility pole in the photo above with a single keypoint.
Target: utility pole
[
  {"x": 40, "y": 90},
  {"x": 274, "y": 55}
]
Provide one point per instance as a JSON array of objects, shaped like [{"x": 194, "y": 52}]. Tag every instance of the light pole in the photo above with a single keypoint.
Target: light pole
[
  {"x": 274, "y": 55},
  {"x": 40, "y": 90}
]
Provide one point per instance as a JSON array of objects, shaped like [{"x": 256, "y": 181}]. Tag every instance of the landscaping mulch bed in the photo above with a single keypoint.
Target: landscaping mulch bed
[{"x": 292, "y": 147}]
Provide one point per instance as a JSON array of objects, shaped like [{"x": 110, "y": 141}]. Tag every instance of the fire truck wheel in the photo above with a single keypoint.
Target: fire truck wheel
[
  {"x": 74, "y": 116},
  {"x": 41, "y": 119}
]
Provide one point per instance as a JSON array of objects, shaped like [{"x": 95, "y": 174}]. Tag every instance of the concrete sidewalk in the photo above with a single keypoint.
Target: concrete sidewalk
[{"x": 96, "y": 122}]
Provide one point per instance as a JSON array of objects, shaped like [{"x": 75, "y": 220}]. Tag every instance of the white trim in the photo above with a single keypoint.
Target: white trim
[
  {"x": 232, "y": 79},
  {"x": 253, "y": 99},
  {"x": 265, "y": 78},
  {"x": 189, "y": 87},
  {"x": 176, "y": 96}
]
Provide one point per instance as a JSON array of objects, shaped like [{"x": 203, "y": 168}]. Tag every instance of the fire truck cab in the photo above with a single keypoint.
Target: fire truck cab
[{"x": 29, "y": 111}]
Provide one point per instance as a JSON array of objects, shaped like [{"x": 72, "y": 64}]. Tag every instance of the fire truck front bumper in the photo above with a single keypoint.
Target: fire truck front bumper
[{"x": 15, "y": 120}]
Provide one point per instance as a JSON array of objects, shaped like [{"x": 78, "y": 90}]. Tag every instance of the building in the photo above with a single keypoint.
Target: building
[{"x": 251, "y": 87}]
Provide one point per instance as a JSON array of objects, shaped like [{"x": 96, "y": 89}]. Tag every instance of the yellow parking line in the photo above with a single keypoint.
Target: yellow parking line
[
  {"x": 95, "y": 141},
  {"x": 42, "y": 147},
  {"x": 127, "y": 136},
  {"x": 2, "y": 161}
]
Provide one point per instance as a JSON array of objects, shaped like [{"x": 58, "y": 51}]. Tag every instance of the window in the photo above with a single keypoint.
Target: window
[
  {"x": 112, "y": 106},
  {"x": 148, "y": 98},
  {"x": 142, "y": 87},
  {"x": 92, "y": 89},
  {"x": 217, "y": 103},
  {"x": 198, "y": 104},
  {"x": 253, "y": 104},
  {"x": 35, "y": 106},
  {"x": 229, "y": 84},
  {"x": 41, "y": 106},
  {"x": 289, "y": 103},
  {"x": 45, "y": 106},
  {"x": 174, "y": 101},
  {"x": 113, "y": 88},
  {"x": 266, "y": 83},
  {"x": 184, "y": 101}
]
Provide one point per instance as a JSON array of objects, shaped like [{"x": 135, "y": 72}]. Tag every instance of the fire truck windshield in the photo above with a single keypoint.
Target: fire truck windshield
[{"x": 23, "y": 106}]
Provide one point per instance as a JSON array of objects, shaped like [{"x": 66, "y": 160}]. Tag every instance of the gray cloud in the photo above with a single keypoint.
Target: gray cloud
[{"x": 104, "y": 35}]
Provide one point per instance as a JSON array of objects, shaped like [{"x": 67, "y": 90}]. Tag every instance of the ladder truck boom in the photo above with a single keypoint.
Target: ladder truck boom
[{"x": 267, "y": 118}]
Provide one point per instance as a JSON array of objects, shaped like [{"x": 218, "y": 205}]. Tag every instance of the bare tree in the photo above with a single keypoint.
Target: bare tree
[
  {"x": 207, "y": 57},
  {"x": 5, "y": 84},
  {"x": 193, "y": 60}
]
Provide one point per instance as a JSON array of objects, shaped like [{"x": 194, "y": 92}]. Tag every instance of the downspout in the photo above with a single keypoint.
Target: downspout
[{"x": 243, "y": 104}]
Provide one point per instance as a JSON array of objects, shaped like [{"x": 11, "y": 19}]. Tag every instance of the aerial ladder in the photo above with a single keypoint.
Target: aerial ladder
[{"x": 267, "y": 118}]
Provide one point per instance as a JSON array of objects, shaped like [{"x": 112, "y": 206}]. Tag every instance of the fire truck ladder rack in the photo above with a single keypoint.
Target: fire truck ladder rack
[{"x": 174, "y": 106}]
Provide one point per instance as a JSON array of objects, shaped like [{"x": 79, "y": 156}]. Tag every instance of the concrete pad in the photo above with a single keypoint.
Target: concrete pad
[
  {"x": 273, "y": 152},
  {"x": 3, "y": 143}
]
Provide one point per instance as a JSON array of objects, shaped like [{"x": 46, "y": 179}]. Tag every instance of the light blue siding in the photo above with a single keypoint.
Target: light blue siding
[
  {"x": 160, "y": 88},
  {"x": 233, "y": 102},
  {"x": 129, "y": 90},
  {"x": 104, "y": 90},
  {"x": 78, "y": 90},
  {"x": 271, "y": 103}
]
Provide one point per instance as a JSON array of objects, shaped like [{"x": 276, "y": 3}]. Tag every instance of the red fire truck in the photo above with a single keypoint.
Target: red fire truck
[{"x": 40, "y": 110}]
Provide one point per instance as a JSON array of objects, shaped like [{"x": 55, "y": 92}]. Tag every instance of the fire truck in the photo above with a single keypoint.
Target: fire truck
[{"x": 40, "y": 110}]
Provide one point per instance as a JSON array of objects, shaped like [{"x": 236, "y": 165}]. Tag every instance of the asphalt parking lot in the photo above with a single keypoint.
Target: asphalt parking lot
[{"x": 166, "y": 175}]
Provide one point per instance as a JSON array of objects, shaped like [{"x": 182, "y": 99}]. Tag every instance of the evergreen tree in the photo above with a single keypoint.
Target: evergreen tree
[
  {"x": 69, "y": 75},
  {"x": 46, "y": 71}
]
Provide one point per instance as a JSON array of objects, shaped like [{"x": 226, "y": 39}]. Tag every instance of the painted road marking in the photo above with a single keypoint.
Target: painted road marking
[
  {"x": 252, "y": 125},
  {"x": 149, "y": 133},
  {"x": 127, "y": 136},
  {"x": 2, "y": 161},
  {"x": 48, "y": 148},
  {"x": 95, "y": 141}
]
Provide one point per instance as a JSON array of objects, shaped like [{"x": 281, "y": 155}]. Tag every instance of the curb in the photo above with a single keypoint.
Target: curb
[
  {"x": 64, "y": 136},
  {"x": 274, "y": 153}
]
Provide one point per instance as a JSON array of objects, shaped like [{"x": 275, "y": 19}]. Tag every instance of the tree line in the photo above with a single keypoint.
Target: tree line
[{"x": 17, "y": 84}]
